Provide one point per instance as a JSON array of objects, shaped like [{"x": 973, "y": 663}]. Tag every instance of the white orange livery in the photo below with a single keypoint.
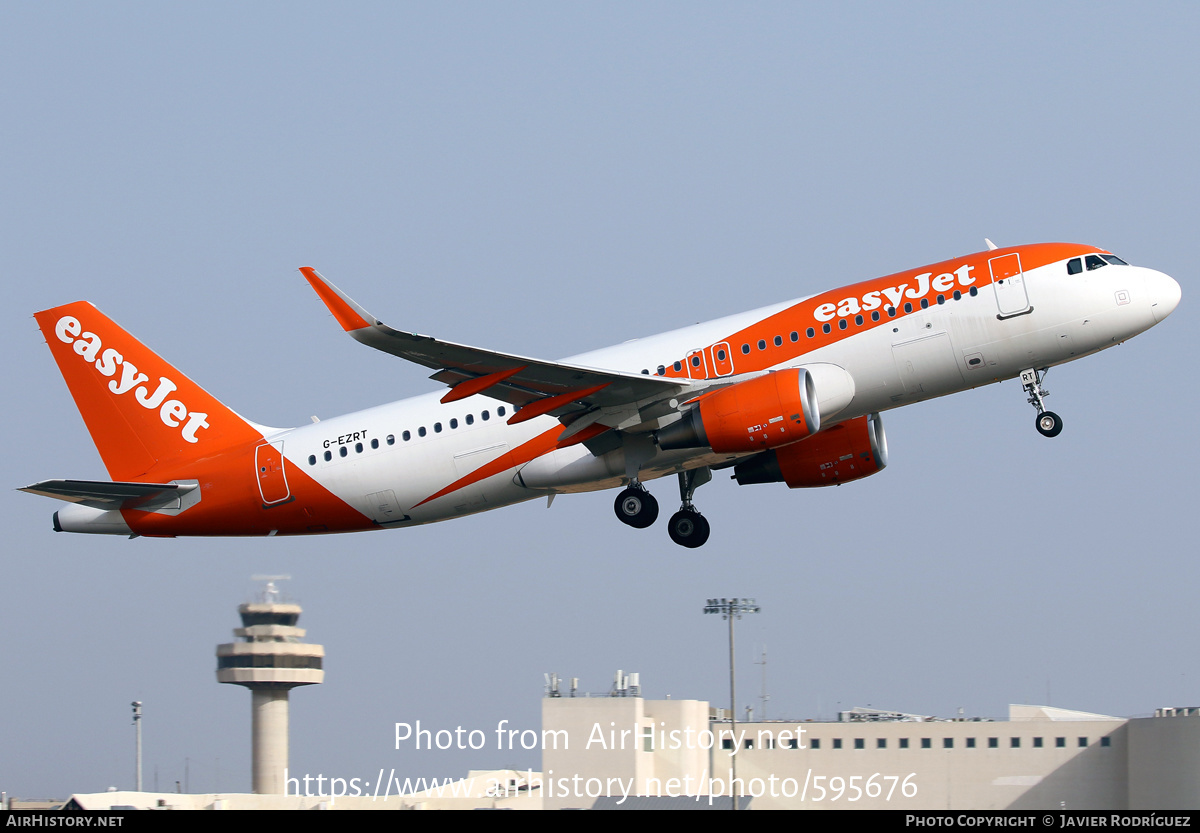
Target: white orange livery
[{"x": 790, "y": 393}]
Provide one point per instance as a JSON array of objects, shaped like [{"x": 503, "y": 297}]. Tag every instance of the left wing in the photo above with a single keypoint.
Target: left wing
[{"x": 578, "y": 396}]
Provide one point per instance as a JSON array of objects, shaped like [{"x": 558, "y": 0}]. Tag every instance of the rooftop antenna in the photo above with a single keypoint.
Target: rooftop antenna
[
  {"x": 764, "y": 697},
  {"x": 270, "y": 593}
]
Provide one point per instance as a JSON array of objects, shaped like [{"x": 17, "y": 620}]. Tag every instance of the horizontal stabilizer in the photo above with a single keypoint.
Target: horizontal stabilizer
[{"x": 103, "y": 494}]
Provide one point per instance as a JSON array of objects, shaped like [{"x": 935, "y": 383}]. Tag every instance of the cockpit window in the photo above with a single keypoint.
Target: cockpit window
[
  {"x": 1094, "y": 262},
  {"x": 1074, "y": 266},
  {"x": 1114, "y": 260}
]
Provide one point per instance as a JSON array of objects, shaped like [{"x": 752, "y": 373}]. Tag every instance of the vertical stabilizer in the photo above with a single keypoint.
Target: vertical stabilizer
[{"x": 139, "y": 409}]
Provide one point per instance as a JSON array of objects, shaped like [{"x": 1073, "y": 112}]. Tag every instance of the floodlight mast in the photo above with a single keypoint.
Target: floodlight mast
[
  {"x": 137, "y": 726},
  {"x": 731, "y": 609}
]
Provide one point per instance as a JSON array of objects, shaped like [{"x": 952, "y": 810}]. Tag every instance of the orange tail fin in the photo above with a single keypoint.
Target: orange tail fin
[{"x": 140, "y": 410}]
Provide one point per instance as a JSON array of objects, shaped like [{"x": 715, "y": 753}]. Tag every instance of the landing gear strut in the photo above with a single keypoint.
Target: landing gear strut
[
  {"x": 1049, "y": 424},
  {"x": 687, "y": 527},
  {"x": 636, "y": 507}
]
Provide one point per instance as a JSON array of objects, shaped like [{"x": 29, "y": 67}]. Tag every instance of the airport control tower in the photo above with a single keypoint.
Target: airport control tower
[{"x": 270, "y": 661}]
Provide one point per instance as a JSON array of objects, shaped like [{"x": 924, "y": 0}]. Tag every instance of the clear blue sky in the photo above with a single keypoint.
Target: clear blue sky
[{"x": 547, "y": 179}]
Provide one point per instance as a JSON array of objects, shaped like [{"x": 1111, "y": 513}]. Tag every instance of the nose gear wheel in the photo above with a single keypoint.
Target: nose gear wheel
[{"x": 1048, "y": 423}]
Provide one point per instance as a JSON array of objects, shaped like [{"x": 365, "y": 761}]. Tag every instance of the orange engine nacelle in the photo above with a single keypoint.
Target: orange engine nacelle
[
  {"x": 766, "y": 412},
  {"x": 849, "y": 451}
]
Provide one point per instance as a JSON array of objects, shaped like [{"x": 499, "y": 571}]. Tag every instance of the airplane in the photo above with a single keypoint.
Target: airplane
[{"x": 787, "y": 393}]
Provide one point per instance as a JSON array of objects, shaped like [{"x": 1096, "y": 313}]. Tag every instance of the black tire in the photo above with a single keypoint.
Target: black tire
[
  {"x": 636, "y": 507},
  {"x": 688, "y": 528},
  {"x": 1049, "y": 424}
]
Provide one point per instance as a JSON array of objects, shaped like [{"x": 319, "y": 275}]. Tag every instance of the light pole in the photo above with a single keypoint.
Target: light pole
[
  {"x": 137, "y": 725},
  {"x": 731, "y": 609}
]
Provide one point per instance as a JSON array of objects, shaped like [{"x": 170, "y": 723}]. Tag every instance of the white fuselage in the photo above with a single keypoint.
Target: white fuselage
[{"x": 982, "y": 338}]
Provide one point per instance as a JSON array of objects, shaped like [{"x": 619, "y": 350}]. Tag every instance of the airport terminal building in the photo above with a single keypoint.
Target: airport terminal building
[{"x": 1041, "y": 758}]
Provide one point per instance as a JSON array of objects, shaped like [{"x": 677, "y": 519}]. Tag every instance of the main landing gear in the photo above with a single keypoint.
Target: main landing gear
[
  {"x": 636, "y": 507},
  {"x": 687, "y": 527},
  {"x": 1049, "y": 424}
]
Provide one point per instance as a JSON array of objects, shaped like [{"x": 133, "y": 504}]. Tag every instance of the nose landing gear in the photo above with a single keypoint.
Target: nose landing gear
[{"x": 1049, "y": 424}]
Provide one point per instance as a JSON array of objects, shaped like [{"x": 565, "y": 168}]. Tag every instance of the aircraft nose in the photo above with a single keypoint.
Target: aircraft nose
[{"x": 1165, "y": 293}]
